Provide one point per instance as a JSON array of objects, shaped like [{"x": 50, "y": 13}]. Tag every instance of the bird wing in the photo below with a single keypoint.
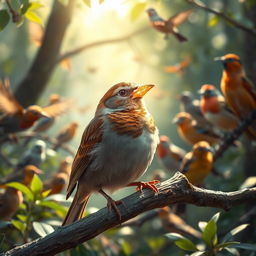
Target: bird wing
[
  {"x": 247, "y": 84},
  {"x": 8, "y": 104},
  {"x": 91, "y": 137},
  {"x": 179, "y": 18},
  {"x": 58, "y": 108},
  {"x": 171, "y": 69},
  {"x": 185, "y": 164}
]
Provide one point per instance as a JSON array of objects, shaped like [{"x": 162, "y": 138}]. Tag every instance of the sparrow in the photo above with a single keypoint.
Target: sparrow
[
  {"x": 66, "y": 134},
  {"x": 198, "y": 163},
  {"x": 191, "y": 132},
  {"x": 192, "y": 106},
  {"x": 215, "y": 109},
  {"x": 239, "y": 92},
  {"x": 173, "y": 223},
  {"x": 169, "y": 154},
  {"x": 179, "y": 68},
  {"x": 169, "y": 26},
  {"x": 116, "y": 148},
  {"x": 34, "y": 156},
  {"x": 15, "y": 118}
]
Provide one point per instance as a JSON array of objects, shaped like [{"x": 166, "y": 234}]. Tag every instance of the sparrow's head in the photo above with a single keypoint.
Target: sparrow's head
[
  {"x": 34, "y": 112},
  {"x": 182, "y": 118},
  {"x": 163, "y": 146},
  {"x": 208, "y": 91},
  {"x": 29, "y": 172},
  {"x": 231, "y": 62},
  {"x": 123, "y": 96},
  {"x": 202, "y": 148},
  {"x": 185, "y": 97},
  {"x": 151, "y": 12}
]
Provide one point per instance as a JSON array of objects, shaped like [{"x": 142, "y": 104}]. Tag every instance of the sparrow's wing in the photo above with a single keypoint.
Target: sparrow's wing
[
  {"x": 185, "y": 164},
  {"x": 171, "y": 69},
  {"x": 8, "y": 104},
  {"x": 91, "y": 137},
  {"x": 58, "y": 108},
  {"x": 179, "y": 18},
  {"x": 247, "y": 84}
]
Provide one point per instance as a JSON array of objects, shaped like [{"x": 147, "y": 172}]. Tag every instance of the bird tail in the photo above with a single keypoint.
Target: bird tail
[
  {"x": 75, "y": 211},
  {"x": 180, "y": 37}
]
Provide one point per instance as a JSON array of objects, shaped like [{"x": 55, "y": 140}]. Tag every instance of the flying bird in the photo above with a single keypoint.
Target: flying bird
[
  {"x": 179, "y": 68},
  {"x": 169, "y": 26},
  {"x": 116, "y": 148}
]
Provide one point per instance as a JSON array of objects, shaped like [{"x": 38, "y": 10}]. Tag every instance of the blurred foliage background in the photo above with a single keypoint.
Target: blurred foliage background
[{"x": 139, "y": 55}]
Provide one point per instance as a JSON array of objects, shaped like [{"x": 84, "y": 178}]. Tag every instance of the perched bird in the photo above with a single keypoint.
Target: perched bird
[
  {"x": 57, "y": 182},
  {"x": 239, "y": 92},
  {"x": 173, "y": 223},
  {"x": 215, "y": 110},
  {"x": 15, "y": 118},
  {"x": 191, "y": 132},
  {"x": 66, "y": 134},
  {"x": 179, "y": 68},
  {"x": 169, "y": 26},
  {"x": 34, "y": 156},
  {"x": 169, "y": 154},
  {"x": 198, "y": 163},
  {"x": 192, "y": 106},
  {"x": 25, "y": 176},
  {"x": 116, "y": 148}
]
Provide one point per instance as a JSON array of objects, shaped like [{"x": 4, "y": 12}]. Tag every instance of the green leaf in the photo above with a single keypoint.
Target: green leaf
[
  {"x": 46, "y": 193},
  {"x": 87, "y": 2},
  {"x": 23, "y": 189},
  {"x": 137, "y": 10},
  {"x": 182, "y": 242},
  {"x": 174, "y": 236},
  {"x": 22, "y": 217},
  {"x": 233, "y": 232},
  {"x": 250, "y": 247},
  {"x": 32, "y": 16},
  {"x": 213, "y": 21},
  {"x": 53, "y": 205},
  {"x": 42, "y": 229},
  {"x": 209, "y": 233},
  {"x": 36, "y": 185},
  {"x": 202, "y": 225},
  {"x": 4, "y": 19},
  {"x": 215, "y": 217},
  {"x": 25, "y": 6},
  {"x": 227, "y": 244},
  {"x": 19, "y": 225},
  {"x": 34, "y": 6}
]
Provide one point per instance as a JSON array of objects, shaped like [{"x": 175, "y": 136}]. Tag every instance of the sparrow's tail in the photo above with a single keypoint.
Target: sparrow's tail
[
  {"x": 75, "y": 211},
  {"x": 180, "y": 37}
]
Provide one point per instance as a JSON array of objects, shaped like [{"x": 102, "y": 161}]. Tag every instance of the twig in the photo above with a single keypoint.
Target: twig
[
  {"x": 98, "y": 43},
  {"x": 233, "y": 22},
  {"x": 235, "y": 134},
  {"x": 175, "y": 190},
  {"x": 15, "y": 15}
]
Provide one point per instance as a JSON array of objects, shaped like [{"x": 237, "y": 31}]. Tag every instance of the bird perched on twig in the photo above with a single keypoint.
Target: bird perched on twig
[
  {"x": 66, "y": 134},
  {"x": 198, "y": 163},
  {"x": 191, "y": 132},
  {"x": 57, "y": 182},
  {"x": 215, "y": 109},
  {"x": 15, "y": 118},
  {"x": 116, "y": 148},
  {"x": 239, "y": 92},
  {"x": 169, "y": 26},
  {"x": 169, "y": 154}
]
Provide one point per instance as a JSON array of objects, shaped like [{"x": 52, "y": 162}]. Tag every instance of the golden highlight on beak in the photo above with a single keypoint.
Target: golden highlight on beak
[
  {"x": 44, "y": 114},
  {"x": 218, "y": 59},
  {"x": 141, "y": 91}
]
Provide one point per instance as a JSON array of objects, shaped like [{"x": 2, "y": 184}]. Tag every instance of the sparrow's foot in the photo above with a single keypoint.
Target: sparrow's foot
[
  {"x": 112, "y": 204},
  {"x": 150, "y": 184}
]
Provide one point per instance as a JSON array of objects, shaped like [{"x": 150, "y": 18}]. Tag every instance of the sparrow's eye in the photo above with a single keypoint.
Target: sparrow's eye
[{"x": 123, "y": 93}]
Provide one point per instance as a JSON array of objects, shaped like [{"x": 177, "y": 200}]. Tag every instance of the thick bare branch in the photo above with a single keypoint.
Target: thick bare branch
[
  {"x": 222, "y": 15},
  {"x": 175, "y": 190}
]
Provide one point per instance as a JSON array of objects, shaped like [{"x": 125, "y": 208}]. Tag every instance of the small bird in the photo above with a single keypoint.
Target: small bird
[
  {"x": 169, "y": 26},
  {"x": 239, "y": 92},
  {"x": 66, "y": 134},
  {"x": 173, "y": 223},
  {"x": 198, "y": 163},
  {"x": 169, "y": 154},
  {"x": 15, "y": 118},
  {"x": 192, "y": 106},
  {"x": 215, "y": 110},
  {"x": 59, "y": 180},
  {"x": 191, "y": 132},
  {"x": 116, "y": 148},
  {"x": 34, "y": 156},
  {"x": 179, "y": 68},
  {"x": 25, "y": 176}
]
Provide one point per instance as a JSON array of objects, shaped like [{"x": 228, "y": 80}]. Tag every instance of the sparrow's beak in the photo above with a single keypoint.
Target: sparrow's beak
[
  {"x": 141, "y": 91},
  {"x": 218, "y": 59},
  {"x": 176, "y": 120},
  {"x": 44, "y": 114},
  {"x": 201, "y": 92}
]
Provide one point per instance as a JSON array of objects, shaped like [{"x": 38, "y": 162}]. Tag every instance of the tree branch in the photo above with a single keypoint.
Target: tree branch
[
  {"x": 175, "y": 190},
  {"x": 236, "y": 24},
  {"x": 101, "y": 42}
]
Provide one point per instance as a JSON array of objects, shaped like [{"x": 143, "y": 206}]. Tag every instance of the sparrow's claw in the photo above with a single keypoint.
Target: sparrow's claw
[{"x": 150, "y": 184}]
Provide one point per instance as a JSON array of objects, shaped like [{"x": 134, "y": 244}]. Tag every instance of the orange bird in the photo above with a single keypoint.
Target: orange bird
[
  {"x": 198, "y": 163},
  {"x": 16, "y": 118},
  {"x": 215, "y": 110},
  {"x": 66, "y": 134},
  {"x": 191, "y": 132},
  {"x": 169, "y": 154},
  {"x": 169, "y": 26},
  {"x": 179, "y": 68},
  {"x": 173, "y": 223},
  {"x": 58, "y": 181},
  {"x": 239, "y": 92}
]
